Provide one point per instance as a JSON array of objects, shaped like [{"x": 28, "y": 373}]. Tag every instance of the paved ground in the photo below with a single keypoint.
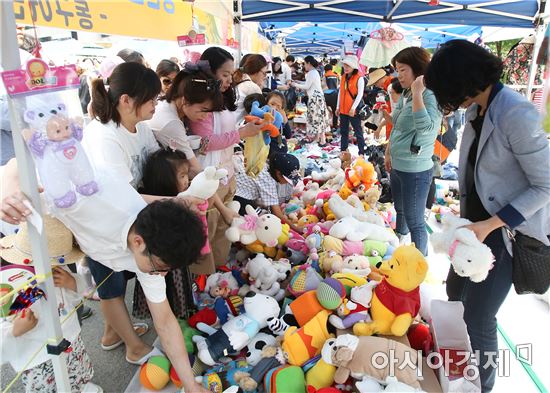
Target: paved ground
[{"x": 112, "y": 372}]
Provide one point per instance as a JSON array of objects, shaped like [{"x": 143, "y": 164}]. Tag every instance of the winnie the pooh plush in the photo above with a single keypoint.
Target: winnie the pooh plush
[{"x": 396, "y": 300}]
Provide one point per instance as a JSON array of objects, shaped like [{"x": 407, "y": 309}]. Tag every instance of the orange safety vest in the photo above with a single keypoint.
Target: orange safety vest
[
  {"x": 348, "y": 92},
  {"x": 331, "y": 73}
]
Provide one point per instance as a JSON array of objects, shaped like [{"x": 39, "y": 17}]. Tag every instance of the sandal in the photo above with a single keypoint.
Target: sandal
[
  {"x": 154, "y": 352},
  {"x": 139, "y": 327}
]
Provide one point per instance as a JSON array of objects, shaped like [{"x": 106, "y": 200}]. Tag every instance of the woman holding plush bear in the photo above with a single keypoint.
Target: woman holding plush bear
[{"x": 504, "y": 179}]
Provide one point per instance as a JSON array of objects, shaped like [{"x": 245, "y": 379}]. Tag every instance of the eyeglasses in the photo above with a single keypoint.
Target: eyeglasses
[
  {"x": 154, "y": 269},
  {"x": 166, "y": 81},
  {"x": 211, "y": 84}
]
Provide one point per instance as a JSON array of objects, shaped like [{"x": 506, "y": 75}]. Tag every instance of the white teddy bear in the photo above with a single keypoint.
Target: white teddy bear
[
  {"x": 349, "y": 228},
  {"x": 469, "y": 257},
  {"x": 334, "y": 170},
  {"x": 266, "y": 228},
  {"x": 264, "y": 277}
]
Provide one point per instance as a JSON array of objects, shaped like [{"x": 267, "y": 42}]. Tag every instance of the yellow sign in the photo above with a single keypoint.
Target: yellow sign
[{"x": 157, "y": 19}]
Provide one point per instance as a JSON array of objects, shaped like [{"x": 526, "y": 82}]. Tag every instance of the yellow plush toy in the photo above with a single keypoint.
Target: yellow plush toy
[
  {"x": 321, "y": 375},
  {"x": 396, "y": 300}
]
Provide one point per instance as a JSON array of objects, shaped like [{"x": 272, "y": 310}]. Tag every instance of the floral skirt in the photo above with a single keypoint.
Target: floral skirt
[
  {"x": 178, "y": 292},
  {"x": 317, "y": 121},
  {"x": 41, "y": 378}
]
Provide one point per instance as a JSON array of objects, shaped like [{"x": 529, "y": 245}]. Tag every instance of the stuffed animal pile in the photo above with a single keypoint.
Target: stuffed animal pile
[{"x": 294, "y": 309}]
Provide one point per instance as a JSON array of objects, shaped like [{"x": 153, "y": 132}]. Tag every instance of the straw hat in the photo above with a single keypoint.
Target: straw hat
[
  {"x": 351, "y": 61},
  {"x": 61, "y": 248},
  {"x": 375, "y": 76},
  {"x": 11, "y": 278}
]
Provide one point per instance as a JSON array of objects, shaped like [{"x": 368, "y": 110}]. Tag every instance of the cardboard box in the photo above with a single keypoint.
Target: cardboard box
[{"x": 452, "y": 347}]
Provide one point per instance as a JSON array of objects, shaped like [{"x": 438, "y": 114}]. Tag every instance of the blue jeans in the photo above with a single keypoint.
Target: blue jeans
[
  {"x": 355, "y": 121},
  {"x": 481, "y": 303},
  {"x": 410, "y": 192}
]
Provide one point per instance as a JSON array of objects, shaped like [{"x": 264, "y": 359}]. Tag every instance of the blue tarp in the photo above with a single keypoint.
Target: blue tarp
[{"x": 512, "y": 13}]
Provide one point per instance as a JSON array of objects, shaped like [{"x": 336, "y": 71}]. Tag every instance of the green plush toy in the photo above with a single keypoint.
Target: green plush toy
[
  {"x": 374, "y": 250},
  {"x": 188, "y": 333}
]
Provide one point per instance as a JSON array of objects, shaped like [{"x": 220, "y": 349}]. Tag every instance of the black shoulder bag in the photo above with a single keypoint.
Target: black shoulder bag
[
  {"x": 530, "y": 264},
  {"x": 362, "y": 110}
]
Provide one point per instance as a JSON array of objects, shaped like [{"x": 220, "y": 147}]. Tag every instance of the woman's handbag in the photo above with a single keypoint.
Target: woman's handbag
[{"x": 530, "y": 264}]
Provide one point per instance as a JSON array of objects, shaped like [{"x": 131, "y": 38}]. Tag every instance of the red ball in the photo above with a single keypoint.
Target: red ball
[{"x": 420, "y": 338}]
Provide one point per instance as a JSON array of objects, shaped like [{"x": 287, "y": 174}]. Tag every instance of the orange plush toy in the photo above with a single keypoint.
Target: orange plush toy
[{"x": 361, "y": 172}]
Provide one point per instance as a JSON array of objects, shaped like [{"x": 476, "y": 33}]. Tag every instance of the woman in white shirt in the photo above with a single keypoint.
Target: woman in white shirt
[
  {"x": 190, "y": 99},
  {"x": 317, "y": 122},
  {"x": 249, "y": 79}
]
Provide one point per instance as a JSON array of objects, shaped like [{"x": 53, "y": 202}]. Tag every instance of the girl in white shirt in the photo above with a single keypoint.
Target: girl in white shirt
[
  {"x": 249, "y": 79},
  {"x": 317, "y": 121}
]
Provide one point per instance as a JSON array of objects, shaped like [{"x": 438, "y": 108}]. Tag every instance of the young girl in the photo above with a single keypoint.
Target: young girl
[
  {"x": 166, "y": 172},
  {"x": 219, "y": 133},
  {"x": 24, "y": 334}
]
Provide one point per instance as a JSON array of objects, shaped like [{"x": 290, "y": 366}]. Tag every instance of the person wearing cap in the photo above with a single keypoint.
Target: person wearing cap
[
  {"x": 23, "y": 332},
  {"x": 352, "y": 86},
  {"x": 380, "y": 79},
  {"x": 272, "y": 187}
]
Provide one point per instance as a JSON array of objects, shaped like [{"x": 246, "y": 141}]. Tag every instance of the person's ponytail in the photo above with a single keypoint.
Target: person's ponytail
[
  {"x": 103, "y": 108},
  {"x": 238, "y": 76}
]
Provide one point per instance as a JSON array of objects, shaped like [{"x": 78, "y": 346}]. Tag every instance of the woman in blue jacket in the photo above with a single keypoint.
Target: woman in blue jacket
[{"x": 504, "y": 179}]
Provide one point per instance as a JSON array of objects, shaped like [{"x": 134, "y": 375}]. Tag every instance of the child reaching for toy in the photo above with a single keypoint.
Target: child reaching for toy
[
  {"x": 166, "y": 172},
  {"x": 24, "y": 335},
  {"x": 277, "y": 101},
  {"x": 272, "y": 187}
]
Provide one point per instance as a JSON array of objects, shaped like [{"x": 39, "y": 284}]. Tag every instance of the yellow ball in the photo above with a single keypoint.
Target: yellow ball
[{"x": 155, "y": 373}]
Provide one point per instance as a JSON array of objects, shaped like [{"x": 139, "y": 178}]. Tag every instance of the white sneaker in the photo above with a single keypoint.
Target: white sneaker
[
  {"x": 404, "y": 239},
  {"x": 92, "y": 388}
]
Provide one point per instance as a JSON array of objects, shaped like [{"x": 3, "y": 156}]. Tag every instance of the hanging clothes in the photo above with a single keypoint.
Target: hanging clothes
[{"x": 382, "y": 46}]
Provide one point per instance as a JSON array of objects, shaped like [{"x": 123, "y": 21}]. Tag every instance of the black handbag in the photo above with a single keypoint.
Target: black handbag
[{"x": 530, "y": 264}]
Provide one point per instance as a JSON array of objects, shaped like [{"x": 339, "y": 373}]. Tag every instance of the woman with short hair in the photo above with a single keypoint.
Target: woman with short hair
[{"x": 504, "y": 180}]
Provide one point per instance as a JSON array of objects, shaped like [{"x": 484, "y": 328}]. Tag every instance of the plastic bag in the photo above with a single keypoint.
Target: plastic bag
[{"x": 255, "y": 155}]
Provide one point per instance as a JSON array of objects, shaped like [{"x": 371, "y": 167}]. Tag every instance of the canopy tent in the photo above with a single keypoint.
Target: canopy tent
[
  {"x": 510, "y": 13},
  {"x": 305, "y": 38}
]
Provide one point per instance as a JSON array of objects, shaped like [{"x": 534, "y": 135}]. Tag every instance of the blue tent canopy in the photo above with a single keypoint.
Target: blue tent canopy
[
  {"x": 327, "y": 38},
  {"x": 509, "y": 13}
]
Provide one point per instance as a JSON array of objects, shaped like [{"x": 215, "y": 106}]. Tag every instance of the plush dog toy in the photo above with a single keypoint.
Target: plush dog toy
[
  {"x": 204, "y": 186},
  {"x": 396, "y": 300},
  {"x": 353, "y": 207},
  {"x": 353, "y": 356},
  {"x": 237, "y": 332},
  {"x": 469, "y": 257},
  {"x": 349, "y": 228},
  {"x": 265, "y": 278},
  {"x": 54, "y": 140}
]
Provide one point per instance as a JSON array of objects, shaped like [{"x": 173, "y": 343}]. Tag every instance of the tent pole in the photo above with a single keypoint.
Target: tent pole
[
  {"x": 9, "y": 56},
  {"x": 539, "y": 37},
  {"x": 237, "y": 21}
]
